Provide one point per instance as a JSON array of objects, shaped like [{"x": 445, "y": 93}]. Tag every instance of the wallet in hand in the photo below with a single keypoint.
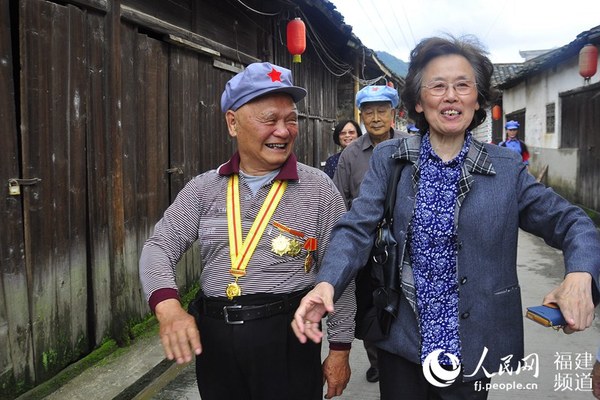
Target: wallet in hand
[{"x": 547, "y": 315}]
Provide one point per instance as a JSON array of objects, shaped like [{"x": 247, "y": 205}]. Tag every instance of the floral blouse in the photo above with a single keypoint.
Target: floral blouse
[{"x": 433, "y": 251}]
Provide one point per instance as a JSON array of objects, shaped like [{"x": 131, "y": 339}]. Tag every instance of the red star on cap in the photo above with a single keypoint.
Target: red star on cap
[{"x": 274, "y": 75}]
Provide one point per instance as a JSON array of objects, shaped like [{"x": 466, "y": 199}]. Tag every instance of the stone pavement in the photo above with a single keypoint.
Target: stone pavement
[{"x": 141, "y": 372}]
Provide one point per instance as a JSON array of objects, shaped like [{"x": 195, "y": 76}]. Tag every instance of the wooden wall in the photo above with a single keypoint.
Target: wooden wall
[{"x": 580, "y": 128}]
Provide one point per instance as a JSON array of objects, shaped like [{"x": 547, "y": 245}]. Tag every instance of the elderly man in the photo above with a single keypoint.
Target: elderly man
[
  {"x": 377, "y": 105},
  {"x": 262, "y": 221}
]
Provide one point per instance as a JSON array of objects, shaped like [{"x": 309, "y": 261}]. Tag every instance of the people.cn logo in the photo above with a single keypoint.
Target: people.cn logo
[{"x": 438, "y": 375}]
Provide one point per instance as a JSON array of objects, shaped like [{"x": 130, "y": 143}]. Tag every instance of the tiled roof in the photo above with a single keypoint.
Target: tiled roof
[
  {"x": 502, "y": 72},
  {"x": 546, "y": 60}
]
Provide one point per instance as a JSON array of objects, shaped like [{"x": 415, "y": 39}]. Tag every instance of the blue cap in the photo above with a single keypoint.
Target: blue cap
[
  {"x": 373, "y": 93},
  {"x": 512, "y": 125},
  {"x": 412, "y": 128},
  {"x": 256, "y": 80}
]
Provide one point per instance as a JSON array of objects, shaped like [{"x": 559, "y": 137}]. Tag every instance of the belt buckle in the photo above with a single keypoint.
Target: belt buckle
[{"x": 226, "y": 314}]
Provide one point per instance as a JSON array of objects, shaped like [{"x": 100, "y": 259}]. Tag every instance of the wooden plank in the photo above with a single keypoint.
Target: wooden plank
[
  {"x": 134, "y": 168},
  {"x": 147, "y": 149},
  {"x": 184, "y": 139},
  {"x": 149, "y": 21},
  {"x": 115, "y": 100},
  {"x": 16, "y": 353},
  {"x": 36, "y": 141},
  {"x": 227, "y": 67},
  {"x": 54, "y": 150},
  {"x": 98, "y": 177},
  {"x": 191, "y": 45},
  {"x": 75, "y": 300},
  {"x": 100, "y": 5}
]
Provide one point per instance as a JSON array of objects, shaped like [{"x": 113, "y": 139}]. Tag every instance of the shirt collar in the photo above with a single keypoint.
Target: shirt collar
[
  {"x": 477, "y": 160},
  {"x": 367, "y": 143},
  {"x": 289, "y": 169}
]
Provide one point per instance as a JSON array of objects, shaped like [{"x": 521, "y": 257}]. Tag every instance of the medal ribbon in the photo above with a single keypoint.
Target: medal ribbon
[{"x": 240, "y": 250}]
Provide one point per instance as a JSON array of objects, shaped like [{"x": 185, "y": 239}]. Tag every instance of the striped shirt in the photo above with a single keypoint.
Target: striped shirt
[{"x": 311, "y": 205}]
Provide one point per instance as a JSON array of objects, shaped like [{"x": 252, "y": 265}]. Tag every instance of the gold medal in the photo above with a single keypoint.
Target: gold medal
[
  {"x": 294, "y": 248},
  {"x": 308, "y": 262},
  {"x": 233, "y": 290},
  {"x": 280, "y": 245}
]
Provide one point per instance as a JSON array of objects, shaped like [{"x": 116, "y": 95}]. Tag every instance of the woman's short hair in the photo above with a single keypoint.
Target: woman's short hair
[
  {"x": 467, "y": 46},
  {"x": 340, "y": 126}
]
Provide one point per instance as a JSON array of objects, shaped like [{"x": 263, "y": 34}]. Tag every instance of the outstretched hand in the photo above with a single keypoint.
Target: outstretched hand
[
  {"x": 574, "y": 298},
  {"x": 312, "y": 308}
]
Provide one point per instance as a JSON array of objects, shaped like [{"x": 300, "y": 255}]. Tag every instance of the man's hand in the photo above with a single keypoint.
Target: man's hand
[
  {"x": 178, "y": 332},
  {"x": 336, "y": 372},
  {"x": 574, "y": 298},
  {"x": 311, "y": 310}
]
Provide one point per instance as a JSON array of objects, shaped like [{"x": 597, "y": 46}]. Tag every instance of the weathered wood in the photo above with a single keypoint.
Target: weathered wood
[
  {"x": 100, "y": 5},
  {"x": 191, "y": 45},
  {"x": 158, "y": 25},
  {"x": 16, "y": 350},
  {"x": 98, "y": 177},
  {"x": 53, "y": 149},
  {"x": 581, "y": 129}
]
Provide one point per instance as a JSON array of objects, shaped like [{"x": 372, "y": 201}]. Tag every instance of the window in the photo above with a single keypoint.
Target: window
[{"x": 550, "y": 117}]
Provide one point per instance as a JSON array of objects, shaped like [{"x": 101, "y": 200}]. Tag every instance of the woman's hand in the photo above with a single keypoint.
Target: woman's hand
[
  {"x": 574, "y": 298},
  {"x": 311, "y": 310}
]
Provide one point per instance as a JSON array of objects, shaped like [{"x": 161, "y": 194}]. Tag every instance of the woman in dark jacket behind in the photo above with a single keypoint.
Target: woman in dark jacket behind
[{"x": 343, "y": 134}]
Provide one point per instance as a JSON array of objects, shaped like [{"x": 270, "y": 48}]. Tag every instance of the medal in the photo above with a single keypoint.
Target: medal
[
  {"x": 310, "y": 245},
  {"x": 294, "y": 248},
  {"x": 280, "y": 245},
  {"x": 233, "y": 290},
  {"x": 240, "y": 249},
  {"x": 308, "y": 262}
]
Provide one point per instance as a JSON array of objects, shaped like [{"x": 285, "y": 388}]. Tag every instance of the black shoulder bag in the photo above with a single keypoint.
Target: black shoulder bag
[{"x": 378, "y": 283}]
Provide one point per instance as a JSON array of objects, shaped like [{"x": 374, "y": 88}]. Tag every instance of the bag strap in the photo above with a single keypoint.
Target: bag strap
[{"x": 390, "y": 197}]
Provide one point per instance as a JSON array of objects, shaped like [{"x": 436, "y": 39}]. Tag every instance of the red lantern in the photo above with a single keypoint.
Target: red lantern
[
  {"x": 296, "y": 39},
  {"x": 496, "y": 112},
  {"x": 588, "y": 61}
]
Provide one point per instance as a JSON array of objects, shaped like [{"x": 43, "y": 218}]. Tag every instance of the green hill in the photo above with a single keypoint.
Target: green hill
[{"x": 398, "y": 66}]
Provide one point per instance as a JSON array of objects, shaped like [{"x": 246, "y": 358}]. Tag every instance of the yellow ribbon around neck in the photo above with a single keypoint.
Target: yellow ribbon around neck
[{"x": 241, "y": 250}]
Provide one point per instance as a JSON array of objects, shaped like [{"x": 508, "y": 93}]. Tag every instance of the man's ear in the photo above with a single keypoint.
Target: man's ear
[{"x": 231, "y": 123}]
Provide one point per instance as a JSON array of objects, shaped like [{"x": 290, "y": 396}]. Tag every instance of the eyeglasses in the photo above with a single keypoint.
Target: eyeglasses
[
  {"x": 352, "y": 132},
  {"x": 440, "y": 88}
]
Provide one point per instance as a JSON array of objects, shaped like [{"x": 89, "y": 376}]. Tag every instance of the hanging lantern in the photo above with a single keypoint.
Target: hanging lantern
[
  {"x": 496, "y": 112},
  {"x": 588, "y": 61},
  {"x": 296, "y": 39}
]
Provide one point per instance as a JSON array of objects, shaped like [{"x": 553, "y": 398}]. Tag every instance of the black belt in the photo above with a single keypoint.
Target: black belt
[{"x": 237, "y": 313}]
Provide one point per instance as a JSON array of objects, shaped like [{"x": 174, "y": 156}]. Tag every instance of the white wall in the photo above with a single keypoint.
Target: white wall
[
  {"x": 532, "y": 95},
  {"x": 535, "y": 92}
]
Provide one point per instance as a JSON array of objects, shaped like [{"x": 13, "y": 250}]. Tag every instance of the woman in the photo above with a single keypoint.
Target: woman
[
  {"x": 343, "y": 134},
  {"x": 459, "y": 206}
]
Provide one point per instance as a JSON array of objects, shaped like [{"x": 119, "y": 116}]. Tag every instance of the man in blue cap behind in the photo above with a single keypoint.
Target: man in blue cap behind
[
  {"x": 262, "y": 221},
  {"x": 377, "y": 105},
  {"x": 513, "y": 142}
]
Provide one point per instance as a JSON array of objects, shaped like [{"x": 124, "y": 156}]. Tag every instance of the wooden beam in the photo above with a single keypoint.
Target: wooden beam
[
  {"x": 176, "y": 40},
  {"x": 153, "y": 23}
]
